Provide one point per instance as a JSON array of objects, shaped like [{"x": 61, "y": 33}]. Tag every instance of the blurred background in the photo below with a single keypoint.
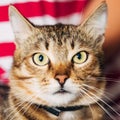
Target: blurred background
[{"x": 49, "y": 12}]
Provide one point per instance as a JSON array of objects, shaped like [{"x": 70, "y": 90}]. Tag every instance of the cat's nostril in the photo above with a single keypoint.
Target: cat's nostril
[{"x": 61, "y": 78}]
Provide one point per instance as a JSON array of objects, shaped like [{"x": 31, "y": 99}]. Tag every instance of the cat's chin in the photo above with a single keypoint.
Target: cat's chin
[{"x": 59, "y": 98}]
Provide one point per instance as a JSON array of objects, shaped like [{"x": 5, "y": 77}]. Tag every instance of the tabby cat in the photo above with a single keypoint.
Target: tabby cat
[{"x": 56, "y": 70}]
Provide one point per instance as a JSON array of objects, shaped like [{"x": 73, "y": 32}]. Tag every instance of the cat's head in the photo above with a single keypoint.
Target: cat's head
[{"x": 59, "y": 65}]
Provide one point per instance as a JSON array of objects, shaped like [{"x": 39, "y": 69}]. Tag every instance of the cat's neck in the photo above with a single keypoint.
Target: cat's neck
[
  {"x": 26, "y": 111},
  {"x": 58, "y": 110}
]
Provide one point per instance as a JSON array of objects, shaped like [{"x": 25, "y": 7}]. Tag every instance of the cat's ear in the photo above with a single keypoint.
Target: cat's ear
[
  {"x": 21, "y": 27},
  {"x": 95, "y": 24}
]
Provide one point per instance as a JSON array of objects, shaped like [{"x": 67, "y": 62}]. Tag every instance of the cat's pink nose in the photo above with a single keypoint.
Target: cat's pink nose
[{"x": 61, "y": 78}]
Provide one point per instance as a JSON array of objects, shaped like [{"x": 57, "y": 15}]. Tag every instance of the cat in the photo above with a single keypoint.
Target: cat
[{"x": 56, "y": 70}]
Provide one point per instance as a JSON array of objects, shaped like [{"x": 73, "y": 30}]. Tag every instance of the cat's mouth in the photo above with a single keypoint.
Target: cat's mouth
[{"x": 62, "y": 91}]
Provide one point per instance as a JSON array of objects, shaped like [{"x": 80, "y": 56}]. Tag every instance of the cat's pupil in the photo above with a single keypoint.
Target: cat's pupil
[
  {"x": 41, "y": 58},
  {"x": 79, "y": 56}
]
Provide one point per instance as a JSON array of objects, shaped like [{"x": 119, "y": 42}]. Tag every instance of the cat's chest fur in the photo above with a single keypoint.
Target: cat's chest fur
[{"x": 69, "y": 115}]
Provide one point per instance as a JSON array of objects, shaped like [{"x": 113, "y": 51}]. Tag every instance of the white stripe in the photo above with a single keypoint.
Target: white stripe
[
  {"x": 7, "y": 2},
  {"x": 6, "y": 62},
  {"x": 6, "y": 33},
  {"x": 48, "y": 20}
]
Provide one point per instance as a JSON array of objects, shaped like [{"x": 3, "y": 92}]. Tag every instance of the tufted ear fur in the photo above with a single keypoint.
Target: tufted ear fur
[
  {"x": 95, "y": 24},
  {"x": 21, "y": 27}
]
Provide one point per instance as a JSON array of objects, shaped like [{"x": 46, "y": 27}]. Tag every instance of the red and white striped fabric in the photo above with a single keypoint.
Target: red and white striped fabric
[{"x": 39, "y": 12}]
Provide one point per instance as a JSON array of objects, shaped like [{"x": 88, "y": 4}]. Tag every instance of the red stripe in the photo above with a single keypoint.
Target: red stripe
[
  {"x": 55, "y": 9},
  {"x": 7, "y": 49},
  {"x": 1, "y": 71}
]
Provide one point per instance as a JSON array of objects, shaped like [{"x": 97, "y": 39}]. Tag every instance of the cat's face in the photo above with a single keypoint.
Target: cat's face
[{"x": 58, "y": 65}]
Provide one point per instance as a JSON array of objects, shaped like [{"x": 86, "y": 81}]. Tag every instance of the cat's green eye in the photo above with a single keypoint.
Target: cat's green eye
[
  {"x": 40, "y": 59},
  {"x": 80, "y": 57}
]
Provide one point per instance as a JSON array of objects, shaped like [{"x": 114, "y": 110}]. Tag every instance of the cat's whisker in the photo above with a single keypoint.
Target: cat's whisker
[
  {"x": 103, "y": 102},
  {"x": 27, "y": 105},
  {"x": 106, "y": 79},
  {"x": 12, "y": 107},
  {"x": 91, "y": 111},
  {"x": 117, "y": 81},
  {"x": 83, "y": 90},
  {"x": 15, "y": 109},
  {"x": 105, "y": 92},
  {"x": 101, "y": 77},
  {"x": 13, "y": 113},
  {"x": 88, "y": 105}
]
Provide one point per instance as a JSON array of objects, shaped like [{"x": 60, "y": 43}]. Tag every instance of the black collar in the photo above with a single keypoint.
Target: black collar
[{"x": 57, "y": 110}]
